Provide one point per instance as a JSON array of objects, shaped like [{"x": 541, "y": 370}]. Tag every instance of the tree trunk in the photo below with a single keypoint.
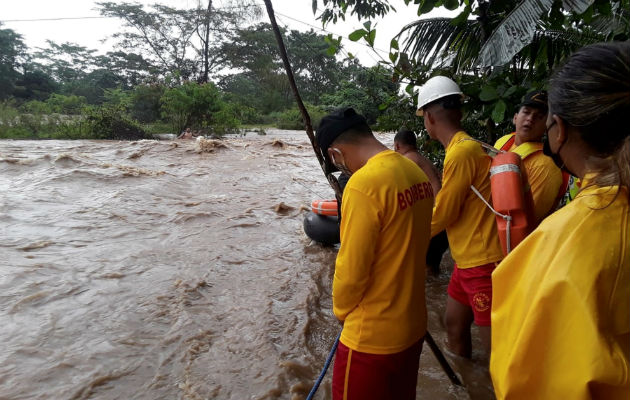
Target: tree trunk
[
  {"x": 305, "y": 117},
  {"x": 206, "y": 45}
]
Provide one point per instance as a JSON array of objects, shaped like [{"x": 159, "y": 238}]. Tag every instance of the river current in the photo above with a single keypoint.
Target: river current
[{"x": 170, "y": 270}]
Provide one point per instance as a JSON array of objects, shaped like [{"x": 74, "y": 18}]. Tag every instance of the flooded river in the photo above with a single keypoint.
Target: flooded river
[{"x": 155, "y": 270}]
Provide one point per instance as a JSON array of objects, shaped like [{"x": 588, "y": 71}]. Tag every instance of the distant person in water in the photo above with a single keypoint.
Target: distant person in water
[
  {"x": 405, "y": 144},
  {"x": 378, "y": 288},
  {"x": 187, "y": 134}
]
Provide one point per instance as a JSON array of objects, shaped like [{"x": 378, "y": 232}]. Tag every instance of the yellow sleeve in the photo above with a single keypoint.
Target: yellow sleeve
[
  {"x": 457, "y": 177},
  {"x": 545, "y": 180},
  {"x": 359, "y": 232},
  {"x": 556, "y": 330}
]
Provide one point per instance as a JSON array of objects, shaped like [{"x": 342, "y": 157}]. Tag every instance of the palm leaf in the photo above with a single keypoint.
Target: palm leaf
[
  {"x": 518, "y": 29},
  {"x": 437, "y": 42}
]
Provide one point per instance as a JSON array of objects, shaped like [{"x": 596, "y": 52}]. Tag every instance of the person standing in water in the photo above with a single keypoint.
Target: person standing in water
[
  {"x": 470, "y": 226},
  {"x": 561, "y": 306},
  {"x": 378, "y": 287},
  {"x": 405, "y": 144}
]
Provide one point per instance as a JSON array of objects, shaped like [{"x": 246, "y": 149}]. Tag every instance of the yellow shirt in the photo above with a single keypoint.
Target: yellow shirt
[
  {"x": 470, "y": 226},
  {"x": 378, "y": 288},
  {"x": 544, "y": 177},
  {"x": 561, "y": 305}
]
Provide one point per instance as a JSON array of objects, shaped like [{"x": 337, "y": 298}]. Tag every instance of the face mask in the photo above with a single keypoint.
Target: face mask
[
  {"x": 554, "y": 156},
  {"x": 340, "y": 166}
]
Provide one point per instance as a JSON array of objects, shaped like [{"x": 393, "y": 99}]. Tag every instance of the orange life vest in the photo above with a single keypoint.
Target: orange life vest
[{"x": 525, "y": 150}]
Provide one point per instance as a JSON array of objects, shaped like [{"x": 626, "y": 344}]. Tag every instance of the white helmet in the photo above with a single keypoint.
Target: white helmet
[{"x": 435, "y": 89}]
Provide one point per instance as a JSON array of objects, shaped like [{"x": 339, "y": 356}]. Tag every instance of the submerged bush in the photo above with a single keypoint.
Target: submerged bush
[
  {"x": 292, "y": 119},
  {"x": 112, "y": 123}
]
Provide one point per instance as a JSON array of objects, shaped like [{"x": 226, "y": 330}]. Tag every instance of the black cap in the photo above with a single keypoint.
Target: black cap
[
  {"x": 333, "y": 125},
  {"x": 336, "y": 123},
  {"x": 536, "y": 99}
]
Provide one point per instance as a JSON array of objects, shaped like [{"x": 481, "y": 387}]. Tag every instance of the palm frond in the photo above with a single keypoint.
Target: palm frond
[
  {"x": 513, "y": 33},
  {"x": 576, "y": 6},
  {"x": 437, "y": 42}
]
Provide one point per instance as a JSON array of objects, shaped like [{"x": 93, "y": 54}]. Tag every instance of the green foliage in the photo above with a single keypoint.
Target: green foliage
[
  {"x": 191, "y": 105},
  {"x": 16, "y": 124},
  {"x": 11, "y": 47},
  {"x": 110, "y": 122},
  {"x": 399, "y": 113},
  {"x": 61, "y": 104},
  {"x": 529, "y": 38},
  {"x": 226, "y": 120},
  {"x": 184, "y": 43},
  {"x": 368, "y": 90},
  {"x": 292, "y": 119},
  {"x": 145, "y": 102},
  {"x": 35, "y": 85}
]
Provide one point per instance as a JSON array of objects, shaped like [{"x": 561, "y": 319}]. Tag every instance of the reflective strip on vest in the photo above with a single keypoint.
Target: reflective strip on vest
[{"x": 499, "y": 169}]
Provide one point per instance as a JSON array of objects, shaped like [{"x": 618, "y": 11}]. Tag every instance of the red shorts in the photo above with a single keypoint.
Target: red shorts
[
  {"x": 364, "y": 376},
  {"x": 473, "y": 287}
]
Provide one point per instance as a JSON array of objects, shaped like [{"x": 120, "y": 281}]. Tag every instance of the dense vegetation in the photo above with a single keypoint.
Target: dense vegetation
[
  {"x": 216, "y": 70},
  {"x": 495, "y": 50}
]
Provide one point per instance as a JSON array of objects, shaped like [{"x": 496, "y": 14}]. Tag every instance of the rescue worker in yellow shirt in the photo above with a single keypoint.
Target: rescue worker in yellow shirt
[
  {"x": 545, "y": 179},
  {"x": 561, "y": 299},
  {"x": 470, "y": 226},
  {"x": 378, "y": 287}
]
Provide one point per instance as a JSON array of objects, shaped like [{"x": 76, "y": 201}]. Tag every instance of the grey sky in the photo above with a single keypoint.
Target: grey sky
[{"x": 90, "y": 32}]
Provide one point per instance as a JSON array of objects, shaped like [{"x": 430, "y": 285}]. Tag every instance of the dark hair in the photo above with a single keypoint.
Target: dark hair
[
  {"x": 354, "y": 134},
  {"x": 450, "y": 102},
  {"x": 406, "y": 137},
  {"x": 591, "y": 92}
]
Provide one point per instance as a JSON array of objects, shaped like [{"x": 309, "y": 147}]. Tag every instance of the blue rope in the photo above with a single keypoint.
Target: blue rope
[{"x": 323, "y": 373}]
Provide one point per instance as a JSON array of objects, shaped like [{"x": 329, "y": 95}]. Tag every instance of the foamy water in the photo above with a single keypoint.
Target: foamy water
[{"x": 151, "y": 269}]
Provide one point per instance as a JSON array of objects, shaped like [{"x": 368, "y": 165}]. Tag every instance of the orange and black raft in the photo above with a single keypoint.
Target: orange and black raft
[
  {"x": 321, "y": 224},
  {"x": 324, "y": 207},
  {"x": 511, "y": 196}
]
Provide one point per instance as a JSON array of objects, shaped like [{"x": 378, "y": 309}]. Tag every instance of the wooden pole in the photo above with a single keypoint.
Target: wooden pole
[{"x": 332, "y": 180}]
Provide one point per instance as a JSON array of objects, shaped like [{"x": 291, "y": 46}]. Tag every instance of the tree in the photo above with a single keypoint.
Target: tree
[
  {"x": 145, "y": 102},
  {"x": 262, "y": 81},
  {"x": 66, "y": 62},
  {"x": 506, "y": 49},
  {"x": 182, "y": 44},
  {"x": 254, "y": 52},
  {"x": 34, "y": 85},
  {"x": 191, "y": 105},
  {"x": 365, "y": 91},
  {"x": 131, "y": 68},
  {"x": 11, "y": 48}
]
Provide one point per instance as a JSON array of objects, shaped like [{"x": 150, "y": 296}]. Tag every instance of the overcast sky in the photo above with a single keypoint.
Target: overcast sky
[{"x": 297, "y": 14}]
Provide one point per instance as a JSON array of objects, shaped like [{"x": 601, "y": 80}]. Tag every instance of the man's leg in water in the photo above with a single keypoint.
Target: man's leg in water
[
  {"x": 458, "y": 319},
  {"x": 484, "y": 332}
]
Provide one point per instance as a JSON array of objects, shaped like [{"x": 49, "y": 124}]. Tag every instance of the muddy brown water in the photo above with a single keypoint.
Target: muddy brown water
[{"x": 154, "y": 270}]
